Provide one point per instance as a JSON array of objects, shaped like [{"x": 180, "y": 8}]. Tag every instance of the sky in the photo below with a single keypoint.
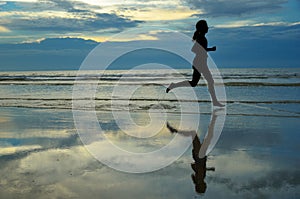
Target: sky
[{"x": 58, "y": 34}]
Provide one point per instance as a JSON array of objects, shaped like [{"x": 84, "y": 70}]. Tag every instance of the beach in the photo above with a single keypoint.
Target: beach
[{"x": 42, "y": 155}]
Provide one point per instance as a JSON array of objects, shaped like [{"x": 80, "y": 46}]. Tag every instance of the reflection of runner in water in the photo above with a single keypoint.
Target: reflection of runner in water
[
  {"x": 200, "y": 151},
  {"x": 200, "y": 63}
]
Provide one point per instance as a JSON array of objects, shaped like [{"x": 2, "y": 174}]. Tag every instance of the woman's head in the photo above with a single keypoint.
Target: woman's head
[{"x": 201, "y": 27}]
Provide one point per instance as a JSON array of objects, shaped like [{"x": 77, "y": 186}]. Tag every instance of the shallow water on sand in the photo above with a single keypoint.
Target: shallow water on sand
[{"x": 42, "y": 157}]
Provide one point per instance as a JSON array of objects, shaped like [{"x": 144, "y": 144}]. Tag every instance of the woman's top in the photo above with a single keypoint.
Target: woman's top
[{"x": 199, "y": 48}]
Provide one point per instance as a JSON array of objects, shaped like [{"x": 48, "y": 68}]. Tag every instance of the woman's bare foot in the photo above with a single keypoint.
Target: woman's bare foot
[
  {"x": 173, "y": 130},
  {"x": 169, "y": 88},
  {"x": 218, "y": 104}
]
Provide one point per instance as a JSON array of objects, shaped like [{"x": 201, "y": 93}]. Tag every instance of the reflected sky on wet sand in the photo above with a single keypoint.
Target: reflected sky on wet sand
[{"x": 41, "y": 156}]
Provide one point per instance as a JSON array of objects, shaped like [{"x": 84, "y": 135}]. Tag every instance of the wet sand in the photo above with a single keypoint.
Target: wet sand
[{"x": 41, "y": 156}]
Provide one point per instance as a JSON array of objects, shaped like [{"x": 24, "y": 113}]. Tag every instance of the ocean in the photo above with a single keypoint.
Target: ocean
[
  {"x": 42, "y": 155},
  {"x": 271, "y": 89}
]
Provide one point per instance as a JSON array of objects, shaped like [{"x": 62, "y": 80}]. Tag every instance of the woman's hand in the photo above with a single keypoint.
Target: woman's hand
[{"x": 211, "y": 49}]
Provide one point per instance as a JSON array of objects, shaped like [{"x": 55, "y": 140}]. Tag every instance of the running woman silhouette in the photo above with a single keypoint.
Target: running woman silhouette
[{"x": 200, "y": 63}]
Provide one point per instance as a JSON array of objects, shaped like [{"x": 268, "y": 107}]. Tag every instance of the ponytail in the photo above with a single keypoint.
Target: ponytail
[{"x": 196, "y": 34}]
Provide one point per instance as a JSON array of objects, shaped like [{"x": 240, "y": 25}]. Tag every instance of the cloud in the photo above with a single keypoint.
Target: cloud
[
  {"x": 221, "y": 8},
  {"x": 72, "y": 6},
  {"x": 62, "y": 17},
  {"x": 156, "y": 14},
  {"x": 2, "y": 3},
  {"x": 22, "y": 0},
  {"x": 252, "y": 23},
  {"x": 4, "y": 29},
  {"x": 234, "y": 24},
  {"x": 17, "y": 149},
  {"x": 61, "y": 24}
]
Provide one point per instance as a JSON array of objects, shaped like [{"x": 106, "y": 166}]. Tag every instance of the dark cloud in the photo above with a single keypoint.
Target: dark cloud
[
  {"x": 71, "y": 6},
  {"x": 59, "y": 24},
  {"x": 83, "y": 18},
  {"x": 220, "y": 8}
]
